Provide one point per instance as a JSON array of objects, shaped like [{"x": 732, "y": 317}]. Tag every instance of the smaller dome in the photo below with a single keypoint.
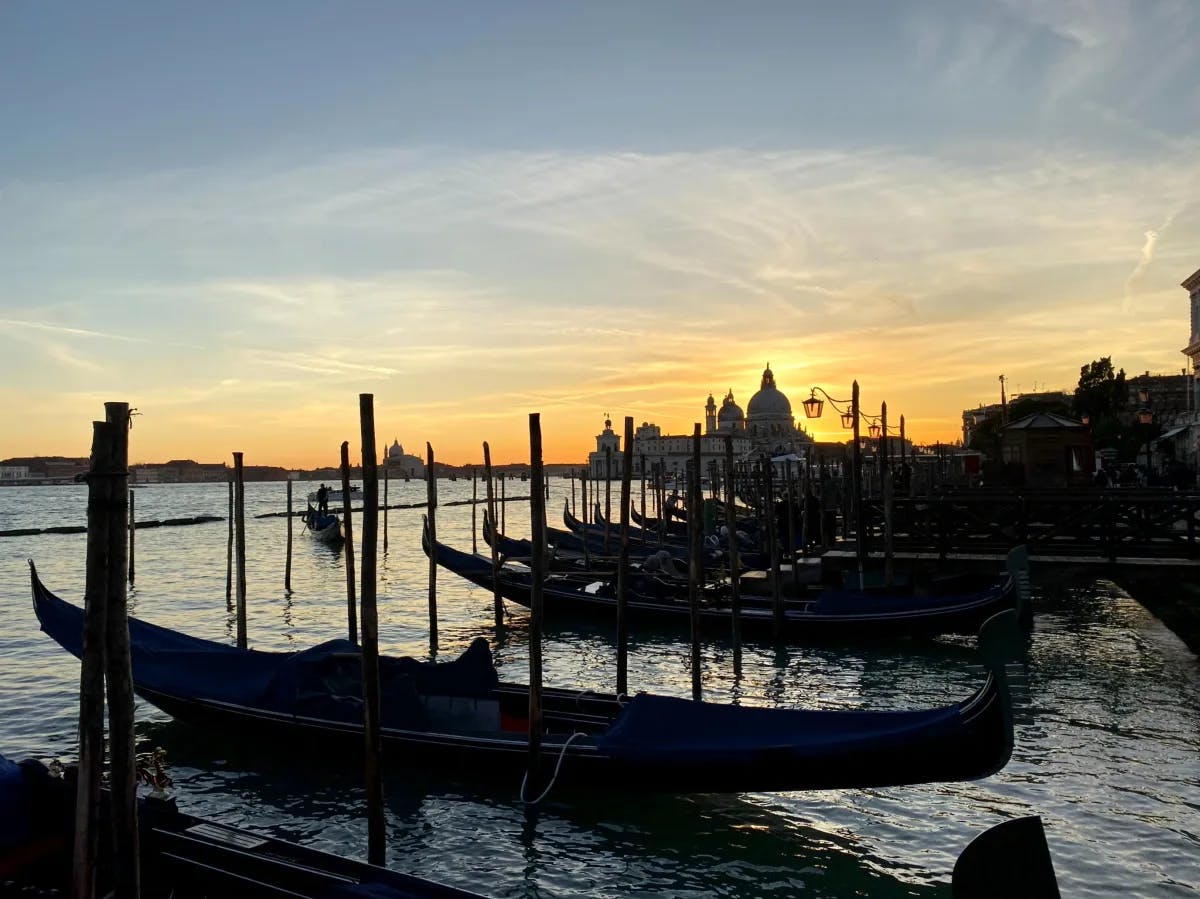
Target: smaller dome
[{"x": 730, "y": 411}]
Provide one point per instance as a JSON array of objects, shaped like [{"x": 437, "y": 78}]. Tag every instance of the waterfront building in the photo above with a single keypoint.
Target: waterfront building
[
  {"x": 44, "y": 469},
  {"x": 1183, "y": 429},
  {"x": 766, "y": 427},
  {"x": 181, "y": 471},
  {"x": 14, "y": 474},
  {"x": 402, "y": 464}
]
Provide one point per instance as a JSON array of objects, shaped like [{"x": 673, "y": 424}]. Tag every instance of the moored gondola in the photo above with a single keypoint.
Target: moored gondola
[
  {"x": 826, "y": 613},
  {"x": 181, "y": 856},
  {"x": 458, "y": 717}
]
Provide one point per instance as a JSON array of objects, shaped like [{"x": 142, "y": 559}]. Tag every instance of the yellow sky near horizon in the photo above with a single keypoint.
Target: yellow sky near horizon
[{"x": 618, "y": 219}]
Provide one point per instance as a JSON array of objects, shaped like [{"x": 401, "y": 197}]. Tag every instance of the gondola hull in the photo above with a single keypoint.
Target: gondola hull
[
  {"x": 830, "y": 615},
  {"x": 183, "y": 856},
  {"x": 456, "y": 717}
]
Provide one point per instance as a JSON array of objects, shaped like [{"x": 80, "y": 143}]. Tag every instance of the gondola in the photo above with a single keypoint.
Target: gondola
[
  {"x": 827, "y": 613},
  {"x": 325, "y": 527},
  {"x": 714, "y": 548},
  {"x": 184, "y": 856},
  {"x": 181, "y": 855},
  {"x": 459, "y": 718},
  {"x": 559, "y": 559}
]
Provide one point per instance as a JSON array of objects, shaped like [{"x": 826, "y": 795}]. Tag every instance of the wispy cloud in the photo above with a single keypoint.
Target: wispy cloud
[
  {"x": 463, "y": 285},
  {"x": 68, "y": 331}
]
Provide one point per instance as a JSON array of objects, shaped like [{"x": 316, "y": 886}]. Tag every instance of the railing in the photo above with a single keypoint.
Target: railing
[{"x": 1148, "y": 523}]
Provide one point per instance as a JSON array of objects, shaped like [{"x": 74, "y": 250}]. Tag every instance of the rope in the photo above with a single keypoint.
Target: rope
[{"x": 561, "y": 755}]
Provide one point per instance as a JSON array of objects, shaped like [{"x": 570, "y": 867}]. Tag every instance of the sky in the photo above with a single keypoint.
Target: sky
[{"x": 237, "y": 217}]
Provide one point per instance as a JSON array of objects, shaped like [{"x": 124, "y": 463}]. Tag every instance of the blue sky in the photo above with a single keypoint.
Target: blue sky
[{"x": 237, "y": 216}]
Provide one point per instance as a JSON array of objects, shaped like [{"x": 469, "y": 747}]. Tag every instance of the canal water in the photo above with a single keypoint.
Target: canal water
[{"x": 1107, "y": 723}]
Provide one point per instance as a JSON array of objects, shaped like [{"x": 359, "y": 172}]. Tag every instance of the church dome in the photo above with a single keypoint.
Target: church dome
[
  {"x": 730, "y": 411},
  {"x": 769, "y": 400}
]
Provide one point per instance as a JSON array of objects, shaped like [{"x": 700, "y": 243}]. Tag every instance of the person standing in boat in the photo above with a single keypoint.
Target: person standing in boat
[{"x": 323, "y": 500}]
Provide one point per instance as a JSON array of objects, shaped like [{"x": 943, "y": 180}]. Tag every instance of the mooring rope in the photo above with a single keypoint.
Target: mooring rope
[{"x": 561, "y": 755}]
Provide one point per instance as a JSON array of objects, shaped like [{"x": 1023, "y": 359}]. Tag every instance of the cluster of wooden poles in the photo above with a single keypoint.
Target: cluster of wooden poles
[{"x": 106, "y": 639}]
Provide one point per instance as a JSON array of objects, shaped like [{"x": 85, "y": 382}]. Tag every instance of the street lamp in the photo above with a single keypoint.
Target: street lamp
[{"x": 813, "y": 407}]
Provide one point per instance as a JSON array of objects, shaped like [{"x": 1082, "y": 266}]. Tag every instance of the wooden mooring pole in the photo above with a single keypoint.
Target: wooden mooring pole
[
  {"x": 623, "y": 563},
  {"x": 607, "y": 497},
  {"x": 885, "y": 486},
  {"x": 239, "y": 527},
  {"x": 431, "y": 511},
  {"x": 287, "y": 565},
  {"x": 132, "y": 528},
  {"x": 348, "y": 528},
  {"x": 537, "y": 576},
  {"x": 773, "y": 547},
  {"x": 384, "y": 457},
  {"x": 503, "y": 505},
  {"x": 474, "y": 509},
  {"x": 373, "y": 740},
  {"x": 735, "y": 578},
  {"x": 119, "y": 670},
  {"x": 497, "y": 602},
  {"x": 642, "y": 472},
  {"x": 229, "y": 551},
  {"x": 583, "y": 498},
  {"x": 695, "y": 572},
  {"x": 91, "y": 672}
]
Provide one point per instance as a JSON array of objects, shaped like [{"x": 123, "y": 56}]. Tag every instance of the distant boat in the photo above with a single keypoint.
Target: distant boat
[
  {"x": 460, "y": 718},
  {"x": 335, "y": 496}
]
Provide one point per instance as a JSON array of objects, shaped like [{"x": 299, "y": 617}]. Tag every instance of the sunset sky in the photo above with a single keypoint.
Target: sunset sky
[{"x": 239, "y": 216}]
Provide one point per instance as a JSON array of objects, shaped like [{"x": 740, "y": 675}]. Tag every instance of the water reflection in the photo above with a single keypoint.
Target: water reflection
[
  {"x": 602, "y": 845},
  {"x": 1107, "y": 717}
]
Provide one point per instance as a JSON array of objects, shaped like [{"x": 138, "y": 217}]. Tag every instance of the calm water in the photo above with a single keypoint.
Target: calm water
[{"x": 1107, "y": 742}]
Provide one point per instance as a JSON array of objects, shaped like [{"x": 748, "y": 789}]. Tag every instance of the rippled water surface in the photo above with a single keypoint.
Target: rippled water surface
[{"x": 1107, "y": 723}]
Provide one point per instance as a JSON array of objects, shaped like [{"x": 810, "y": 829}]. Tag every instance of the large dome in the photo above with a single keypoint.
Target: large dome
[{"x": 769, "y": 400}]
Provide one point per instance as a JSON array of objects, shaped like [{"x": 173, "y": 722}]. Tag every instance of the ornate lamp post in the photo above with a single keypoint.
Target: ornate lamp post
[{"x": 813, "y": 406}]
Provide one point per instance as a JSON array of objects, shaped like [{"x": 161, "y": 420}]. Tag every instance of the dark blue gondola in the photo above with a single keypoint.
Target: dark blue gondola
[
  {"x": 181, "y": 856},
  {"x": 826, "y": 614},
  {"x": 458, "y": 717}
]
